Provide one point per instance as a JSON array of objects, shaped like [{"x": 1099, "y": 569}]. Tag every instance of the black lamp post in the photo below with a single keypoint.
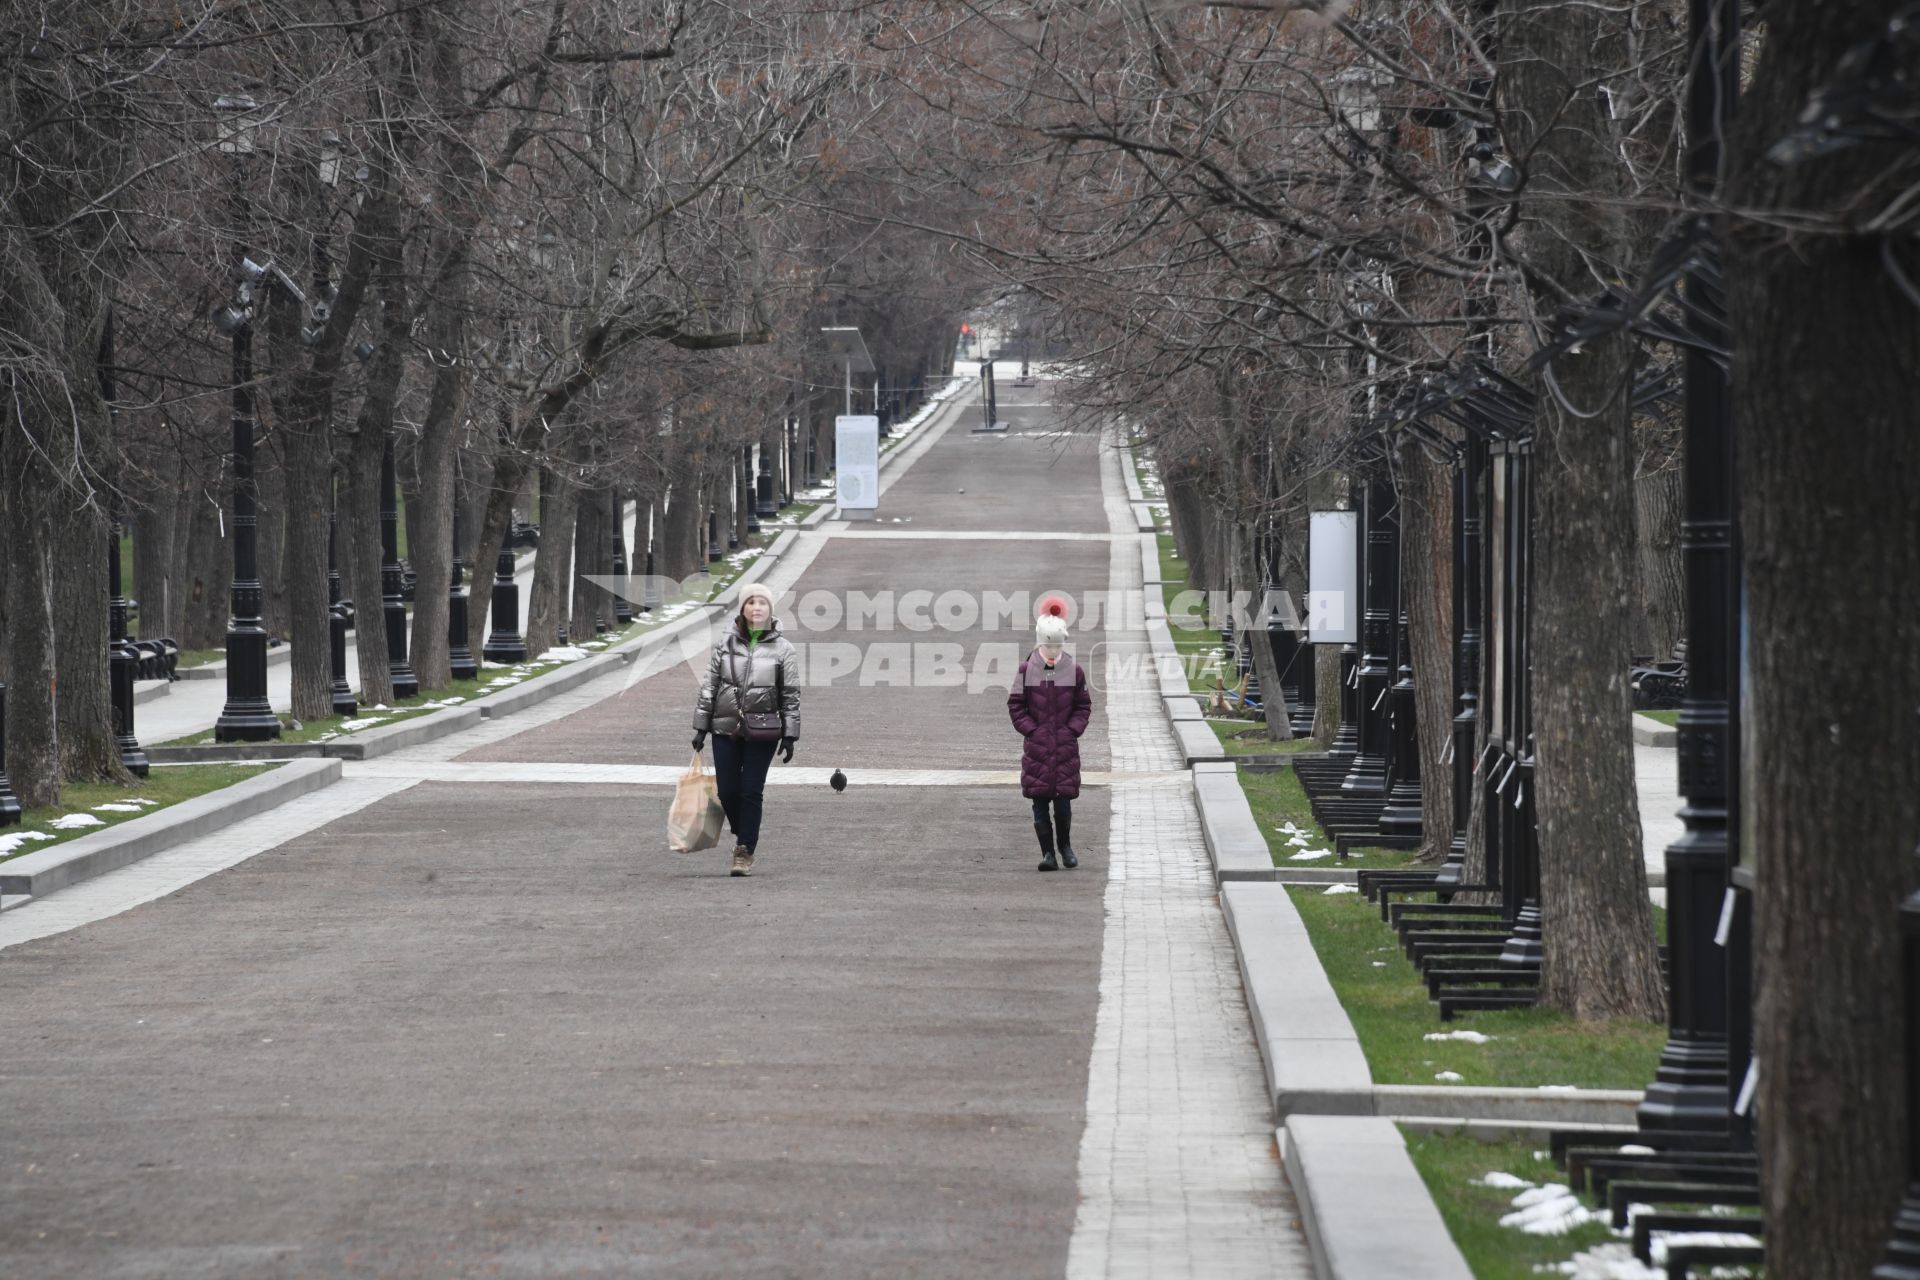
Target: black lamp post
[
  {"x": 622, "y": 599},
  {"x": 504, "y": 643},
  {"x": 9, "y": 802},
  {"x": 344, "y": 703},
  {"x": 1403, "y": 815},
  {"x": 763, "y": 504},
  {"x": 460, "y": 663},
  {"x": 1690, "y": 1090},
  {"x": 247, "y": 716},
  {"x": 788, "y": 444},
  {"x": 713, "y": 535},
  {"x": 749, "y": 489},
  {"x": 1368, "y": 776},
  {"x": 123, "y": 661},
  {"x": 1472, "y": 465},
  {"x": 393, "y": 605},
  {"x": 1902, "y": 1258},
  {"x": 1346, "y": 734}
]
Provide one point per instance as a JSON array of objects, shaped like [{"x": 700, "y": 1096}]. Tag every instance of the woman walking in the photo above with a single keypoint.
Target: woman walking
[
  {"x": 1050, "y": 706},
  {"x": 750, "y": 703}
]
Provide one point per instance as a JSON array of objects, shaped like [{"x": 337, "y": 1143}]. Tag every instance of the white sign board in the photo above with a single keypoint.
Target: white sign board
[
  {"x": 1333, "y": 579},
  {"x": 857, "y": 464}
]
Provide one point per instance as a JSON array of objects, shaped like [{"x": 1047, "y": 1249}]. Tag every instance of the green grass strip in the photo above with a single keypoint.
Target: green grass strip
[{"x": 166, "y": 785}]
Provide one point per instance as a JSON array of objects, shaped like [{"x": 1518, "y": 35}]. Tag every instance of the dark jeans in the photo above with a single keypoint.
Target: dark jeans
[
  {"x": 740, "y": 776},
  {"x": 1062, "y": 809}
]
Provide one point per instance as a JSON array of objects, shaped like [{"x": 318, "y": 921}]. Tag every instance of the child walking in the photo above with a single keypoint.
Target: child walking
[{"x": 1050, "y": 706}]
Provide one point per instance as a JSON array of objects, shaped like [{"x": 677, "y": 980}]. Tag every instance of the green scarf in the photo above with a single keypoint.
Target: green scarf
[{"x": 753, "y": 636}]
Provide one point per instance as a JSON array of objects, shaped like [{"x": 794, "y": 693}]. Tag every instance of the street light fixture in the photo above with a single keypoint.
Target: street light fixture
[{"x": 247, "y": 715}]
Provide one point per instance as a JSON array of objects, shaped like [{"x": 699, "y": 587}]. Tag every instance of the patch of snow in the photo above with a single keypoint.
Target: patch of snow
[
  {"x": 364, "y": 722},
  {"x": 1551, "y": 1210},
  {"x": 379, "y": 706},
  {"x": 143, "y": 802},
  {"x": 1635, "y": 1149},
  {"x": 1340, "y": 888},
  {"x": 1558, "y": 1088},
  {"x": 1502, "y": 1179},
  {"x": 1610, "y": 1261},
  {"x": 1450, "y": 1077},
  {"x": 1379, "y": 964},
  {"x": 454, "y": 701},
  {"x": 1308, "y": 855},
  {"x": 502, "y": 682},
  {"x": 1471, "y": 1037},
  {"x": 76, "y": 822},
  {"x": 114, "y": 806},
  {"x": 14, "y": 839}
]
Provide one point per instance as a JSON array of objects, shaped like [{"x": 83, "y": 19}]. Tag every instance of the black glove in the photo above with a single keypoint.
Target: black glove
[
  {"x": 699, "y": 739},
  {"x": 786, "y": 750}
]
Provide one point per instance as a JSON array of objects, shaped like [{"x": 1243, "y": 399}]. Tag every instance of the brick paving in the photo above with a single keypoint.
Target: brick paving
[{"x": 461, "y": 1014}]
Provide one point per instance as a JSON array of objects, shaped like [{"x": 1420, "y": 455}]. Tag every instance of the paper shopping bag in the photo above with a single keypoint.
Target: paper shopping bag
[{"x": 695, "y": 819}]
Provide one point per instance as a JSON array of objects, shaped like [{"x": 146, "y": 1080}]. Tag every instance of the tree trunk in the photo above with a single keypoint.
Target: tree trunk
[
  {"x": 1185, "y": 508},
  {"x": 590, "y": 550},
  {"x": 1663, "y": 597},
  {"x": 207, "y": 566},
  {"x": 89, "y": 749},
  {"x": 270, "y": 473},
  {"x": 1426, "y": 576},
  {"x": 1247, "y": 578},
  {"x": 430, "y": 540},
  {"x": 552, "y": 567},
  {"x": 33, "y": 736},
  {"x": 679, "y": 529},
  {"x": 1599, "y": 954},
  {"x": 309, "y": 469},
  {"x": 154, "y": 521},
  {"x": 1824, "y": 389}
]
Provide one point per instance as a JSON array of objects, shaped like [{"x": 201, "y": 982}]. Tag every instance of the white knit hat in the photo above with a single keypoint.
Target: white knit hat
[
  {"x": 760, "y": 589},
  {"x": 1051, "y": 629}
]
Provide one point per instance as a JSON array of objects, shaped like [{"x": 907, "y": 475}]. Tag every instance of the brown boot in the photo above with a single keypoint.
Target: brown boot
[{"x": 742, "y": 861}]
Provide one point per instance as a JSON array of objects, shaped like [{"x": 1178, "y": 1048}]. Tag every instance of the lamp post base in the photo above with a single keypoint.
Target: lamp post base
[{"x": 247, "y": 716}]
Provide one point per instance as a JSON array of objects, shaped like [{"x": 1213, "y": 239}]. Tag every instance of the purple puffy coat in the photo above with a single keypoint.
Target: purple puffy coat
[{"x": 1051, "y": 711}]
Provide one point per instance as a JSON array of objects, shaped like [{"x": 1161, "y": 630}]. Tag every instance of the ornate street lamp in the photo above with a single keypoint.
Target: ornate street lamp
[
  {"x": 393, "y": 606},
  {"x": 247, "y": 716},
  {"x": 622, "y": 602},
  {"x": 123, "y": 661},
  {"x": 344, "y": 703},
  {"x": 460, "y": 661}
]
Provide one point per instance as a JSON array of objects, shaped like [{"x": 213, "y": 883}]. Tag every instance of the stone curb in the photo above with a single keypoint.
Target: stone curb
[
  {"x": 1150, "y": 571},
  {"x": 1649, "y": 732},
  {"x": 1307, "y": 1043},
  {"x": 145, "y": 691},
  {"x": 1234, "y": 842},
  {"x": 41, "y": 873},
  {"x": 1366, "y": 1211}
]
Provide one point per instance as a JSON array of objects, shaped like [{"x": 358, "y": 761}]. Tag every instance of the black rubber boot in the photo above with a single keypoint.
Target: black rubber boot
[
  {"x": 1063, "y": 822},
  {"x": 1045, "y": 831}
]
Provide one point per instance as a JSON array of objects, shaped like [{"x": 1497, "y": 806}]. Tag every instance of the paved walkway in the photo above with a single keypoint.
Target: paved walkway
[{"x": 461, "y": 1014}]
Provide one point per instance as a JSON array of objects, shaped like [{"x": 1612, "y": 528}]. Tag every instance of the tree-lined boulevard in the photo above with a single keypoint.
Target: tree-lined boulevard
[{"x": 1463, "y": 395}]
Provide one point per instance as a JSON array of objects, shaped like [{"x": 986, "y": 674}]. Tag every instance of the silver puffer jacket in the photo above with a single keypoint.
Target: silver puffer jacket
[{"x": 736, "y": 673}]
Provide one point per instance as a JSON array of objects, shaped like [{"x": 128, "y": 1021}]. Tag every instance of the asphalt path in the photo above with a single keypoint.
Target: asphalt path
[{"x": 496, "y": 1029}]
